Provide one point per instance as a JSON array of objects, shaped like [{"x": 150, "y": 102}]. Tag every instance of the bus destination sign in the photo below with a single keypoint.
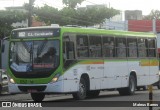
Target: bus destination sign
[{"x": 36, "y": 33}]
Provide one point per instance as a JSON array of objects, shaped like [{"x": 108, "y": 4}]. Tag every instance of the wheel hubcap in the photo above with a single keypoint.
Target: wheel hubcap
[
  {"x": 81, "y": 89},
  {"x": 132, "y": 85}
]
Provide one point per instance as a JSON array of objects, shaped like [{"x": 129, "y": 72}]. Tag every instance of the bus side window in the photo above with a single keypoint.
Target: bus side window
[
  {"x": 151, "y": 48},
  {"x": 108, "y": 47},
  {"x": 121, "y": 47},
  {"x": 132, "y": 47},
  {"x": 142, "y": 48},
  {"x": 82, "y": 46},
  {"x": 70, "y": 50},
  {"x": 95, "y": 48}
]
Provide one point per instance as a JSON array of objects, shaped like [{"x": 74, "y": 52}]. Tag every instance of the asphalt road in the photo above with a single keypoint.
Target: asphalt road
[{"x": 109, "y": 100}]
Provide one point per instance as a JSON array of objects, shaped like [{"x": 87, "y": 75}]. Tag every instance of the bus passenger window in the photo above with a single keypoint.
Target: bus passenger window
[
  {"x": 142, "y": 48},
  {"x": 121, "y": 47},
  {"x": 132, "y": 47},
  {"x": 82, "y": 46},
  {"x": 70, "y": 50},
  {"x": 95, "y": 46},
  {"x": 151, "y": 48},
  {"x": 108, "y": 46}
]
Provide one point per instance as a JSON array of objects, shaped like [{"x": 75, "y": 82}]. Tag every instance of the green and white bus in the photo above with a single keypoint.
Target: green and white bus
[{"x": 80, "y": 61}]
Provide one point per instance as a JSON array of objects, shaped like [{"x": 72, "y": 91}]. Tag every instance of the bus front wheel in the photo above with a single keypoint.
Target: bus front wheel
[
  {"x": 81, "y": 93},
  {"x": 37, "y": 97},
  {"x": 130, "y": 90}
]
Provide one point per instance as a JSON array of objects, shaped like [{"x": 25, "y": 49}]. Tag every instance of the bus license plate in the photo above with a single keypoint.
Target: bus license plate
[{"x": 32, "y": 90}]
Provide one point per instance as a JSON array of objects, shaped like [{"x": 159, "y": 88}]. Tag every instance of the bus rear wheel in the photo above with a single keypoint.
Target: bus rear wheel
[
  {"x": 81, "y": 93},
  {"x": 130, "y": 90},
  {"x": 37, "y": 97}
]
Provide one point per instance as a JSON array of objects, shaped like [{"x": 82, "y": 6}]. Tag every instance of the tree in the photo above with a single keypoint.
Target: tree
[
  {"x": 154, "y": 14},
  {"x": 47, "y": 14},
  {"x": 69, "y": 16},
  {"x": 6, "y": 20},
  {"x": 95, "y": 15},
  {"x": 72, "y": 3}
]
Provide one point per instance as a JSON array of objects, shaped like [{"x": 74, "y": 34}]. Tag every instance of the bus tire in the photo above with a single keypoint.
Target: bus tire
[
  {"x": 37, "y": 97},
  {"x": 81, "y": 93},
  {"x": 130, "y": 90},
  {"x": 94, "y": 93}
]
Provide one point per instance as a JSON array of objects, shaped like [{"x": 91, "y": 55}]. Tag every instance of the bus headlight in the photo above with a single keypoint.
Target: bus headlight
[
  {"x": 55, "y": 79},
  {"x": 11, "y": 80}
]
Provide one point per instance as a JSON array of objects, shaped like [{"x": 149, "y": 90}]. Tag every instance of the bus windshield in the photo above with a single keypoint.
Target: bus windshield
[{"x": 34, "y": 55}]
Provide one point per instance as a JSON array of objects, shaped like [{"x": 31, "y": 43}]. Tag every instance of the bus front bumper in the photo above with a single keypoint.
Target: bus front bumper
[{"x": 33, "y": 88}]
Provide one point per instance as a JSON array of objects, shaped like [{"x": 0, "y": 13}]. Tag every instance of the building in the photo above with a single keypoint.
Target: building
[
  {"x": 144, "y": 25},
  {"x": 133, "y": 15},
  {"x": 36, "y": 23},
  {"x": 115, "y": 25}
]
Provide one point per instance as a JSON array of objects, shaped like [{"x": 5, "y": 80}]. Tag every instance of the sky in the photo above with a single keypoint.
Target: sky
[{"x": 145, "y": 5}]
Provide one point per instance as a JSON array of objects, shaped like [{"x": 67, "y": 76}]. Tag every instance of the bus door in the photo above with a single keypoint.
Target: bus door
[{"x": 71, "y": 71}]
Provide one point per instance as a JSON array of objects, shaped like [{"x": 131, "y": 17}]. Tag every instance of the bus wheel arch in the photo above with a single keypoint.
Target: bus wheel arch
[{"x": 84, "y": 85}]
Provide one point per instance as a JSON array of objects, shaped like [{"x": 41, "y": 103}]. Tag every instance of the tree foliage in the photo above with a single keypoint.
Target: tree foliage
[
  {"x": 154, "y": 14},
  {"x": 69, "y": 16},
  {"x": 95, "y": 15},
  {"x": 6, "y": 20},
  {"x": 72, "y": 3},
  {"x": 49, "y": 15}
]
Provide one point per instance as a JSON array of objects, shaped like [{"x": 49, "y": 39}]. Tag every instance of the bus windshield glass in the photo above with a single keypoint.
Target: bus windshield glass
[{"x": 34, "y": 55}]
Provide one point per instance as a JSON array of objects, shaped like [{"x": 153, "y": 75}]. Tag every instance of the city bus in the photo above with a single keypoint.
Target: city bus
[{"x": 80, "y": 61}]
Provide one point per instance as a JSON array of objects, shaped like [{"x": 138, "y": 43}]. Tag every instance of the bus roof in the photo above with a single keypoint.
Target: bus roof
[
  {"x": 94, "y": 31},
  {"x": 107, "y": 32}
]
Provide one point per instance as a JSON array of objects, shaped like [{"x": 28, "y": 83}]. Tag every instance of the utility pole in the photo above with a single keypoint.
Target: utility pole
[
  {"x": 154, "y": 26},
  {"x": 30, "y": 12}
]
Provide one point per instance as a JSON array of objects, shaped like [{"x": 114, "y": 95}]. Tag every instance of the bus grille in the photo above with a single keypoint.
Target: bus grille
[{"x": 37, "y": 88}]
